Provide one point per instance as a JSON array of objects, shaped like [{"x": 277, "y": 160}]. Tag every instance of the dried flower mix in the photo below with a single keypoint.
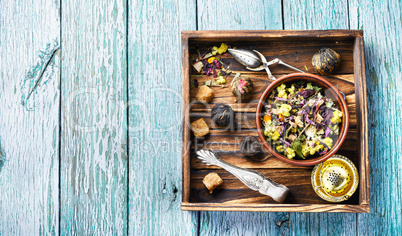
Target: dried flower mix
[
  {"x": 299, "y": 121},
  {"x": 210, "y": 63}
]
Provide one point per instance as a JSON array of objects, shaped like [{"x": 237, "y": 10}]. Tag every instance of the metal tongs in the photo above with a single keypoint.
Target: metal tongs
[
  {"x": 255, "y": 61},
  {"x": 252, "y": 179}
]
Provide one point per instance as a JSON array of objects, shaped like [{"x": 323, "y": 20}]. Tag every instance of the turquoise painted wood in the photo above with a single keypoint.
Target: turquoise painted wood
[
  {"x": 29, "y": 117},
  {"x": 239, "y": 15},
  {"x": 155, "y": 117},
  {"x": 309, "y": 14},
  {"x": 93, "y": 181},
  {"x": 383, "y": 45},
  {"x": 90, "y": 115}
]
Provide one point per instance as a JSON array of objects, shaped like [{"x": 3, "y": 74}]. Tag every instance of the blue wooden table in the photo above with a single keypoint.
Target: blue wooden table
[{"x": 90, "y": 115}]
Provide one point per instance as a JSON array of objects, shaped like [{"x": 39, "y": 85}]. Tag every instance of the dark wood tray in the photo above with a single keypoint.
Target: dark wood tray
[{"x": 295, "y": 48}]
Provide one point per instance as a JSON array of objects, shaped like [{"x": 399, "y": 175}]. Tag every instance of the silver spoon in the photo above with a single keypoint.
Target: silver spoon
[
  {"x": 255, "y": 61},
  {"x": 252, "y": 179}
]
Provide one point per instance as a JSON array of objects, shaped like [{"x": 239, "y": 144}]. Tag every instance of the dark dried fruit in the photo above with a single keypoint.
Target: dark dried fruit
[{"x": 325, "y": 61}]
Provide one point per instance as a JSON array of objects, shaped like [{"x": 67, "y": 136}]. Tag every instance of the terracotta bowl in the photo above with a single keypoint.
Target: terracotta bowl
[{"x": 330, "y": 91}]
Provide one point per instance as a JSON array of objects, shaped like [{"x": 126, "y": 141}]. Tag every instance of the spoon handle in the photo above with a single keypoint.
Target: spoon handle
[
  {"x": 291, "y": 67},
  {"x": 252, "y": 179}
]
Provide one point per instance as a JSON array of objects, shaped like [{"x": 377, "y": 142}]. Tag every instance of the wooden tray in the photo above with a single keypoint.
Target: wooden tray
[{"x": 295, "y": 48}]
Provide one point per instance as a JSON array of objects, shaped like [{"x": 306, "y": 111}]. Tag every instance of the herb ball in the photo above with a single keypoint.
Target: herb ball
[
  {"x": 222, "y": 115},
  {"x": 242, "y": 88},
  {"x": 249, "y": 146},
  {"x": 325, "y": 61}
]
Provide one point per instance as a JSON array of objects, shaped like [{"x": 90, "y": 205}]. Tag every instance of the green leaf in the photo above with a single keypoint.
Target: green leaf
[
  {"x": 192, "y": 84},
  {"x": 287, "y": 133},
  {"x": 297, "y": 146}
]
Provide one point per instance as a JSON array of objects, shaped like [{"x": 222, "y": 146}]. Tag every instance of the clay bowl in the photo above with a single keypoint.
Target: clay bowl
[{"x": 330, "y": 91}]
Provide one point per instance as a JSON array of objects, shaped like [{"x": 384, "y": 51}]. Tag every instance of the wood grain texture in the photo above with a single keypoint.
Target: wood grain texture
[
  {"x": 186, "y": 119},
  {"x": 265, "y": 35},
  {"x": 29, "y": 117},
  {"x": 155, "y": 117},
  {"x": 362, "y": 125},
  {"x": 381, "y": 22},
  {"x": 315, "y": 15},
  {"x": 94, "y": 132},
  {"x": 234, "y": 193},
  {"x": 242, "y": 223},
  {"x": 319, "y": 15},
  {"x": 241, "y": 15},
  {"x": 269, "y": 207}
]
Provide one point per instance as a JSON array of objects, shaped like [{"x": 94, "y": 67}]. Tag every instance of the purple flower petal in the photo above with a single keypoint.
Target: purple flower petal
[
  {"x": 281, "y": 99},
  {"x": 209, "y": 71},
  {"x": 291, "y": 117},
  {"x": 285, "y": 142},
  {"x": 308, "y": 120},
  {"x": 327, "y": 131},
  {"x": 323, "y": 152},
  {"x": 283, "y": 128},
  {"x": 306, "y": 93}
]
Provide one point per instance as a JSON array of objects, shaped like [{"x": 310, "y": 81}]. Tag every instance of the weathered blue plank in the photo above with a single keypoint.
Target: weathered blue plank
[
  {"x": 325, "y": 14},
  {"x": 29, "y": 117},
  {"x": 94, "y": 132},
  {"x": 241, "y": 15},
  {"x": 381, "y": 22},
  {"x": 155, "y": 117},
  {"x": 309, "y": 14}
]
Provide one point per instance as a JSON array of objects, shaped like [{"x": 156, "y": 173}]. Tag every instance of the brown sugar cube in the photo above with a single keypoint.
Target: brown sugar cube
[
  {"x": 204, "y": 94},
  {"x": 211, "y": 181},
  {"x": 198, "y": 66},
  {"x": 200, "y": 128}
]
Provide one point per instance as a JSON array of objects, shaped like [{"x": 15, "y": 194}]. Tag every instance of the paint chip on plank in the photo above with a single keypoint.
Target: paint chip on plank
[
  {"x": 282, "y": 220},
  {"x": 2, "y": 158},
  {"x": 39, "y": 74}
]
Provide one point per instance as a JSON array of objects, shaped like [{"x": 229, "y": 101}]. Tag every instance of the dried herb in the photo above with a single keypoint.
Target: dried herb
[
  {"x": 194, "y": 83},
  {"x": 297, "y": 146},
  {"x": 300, "y": 110}
]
